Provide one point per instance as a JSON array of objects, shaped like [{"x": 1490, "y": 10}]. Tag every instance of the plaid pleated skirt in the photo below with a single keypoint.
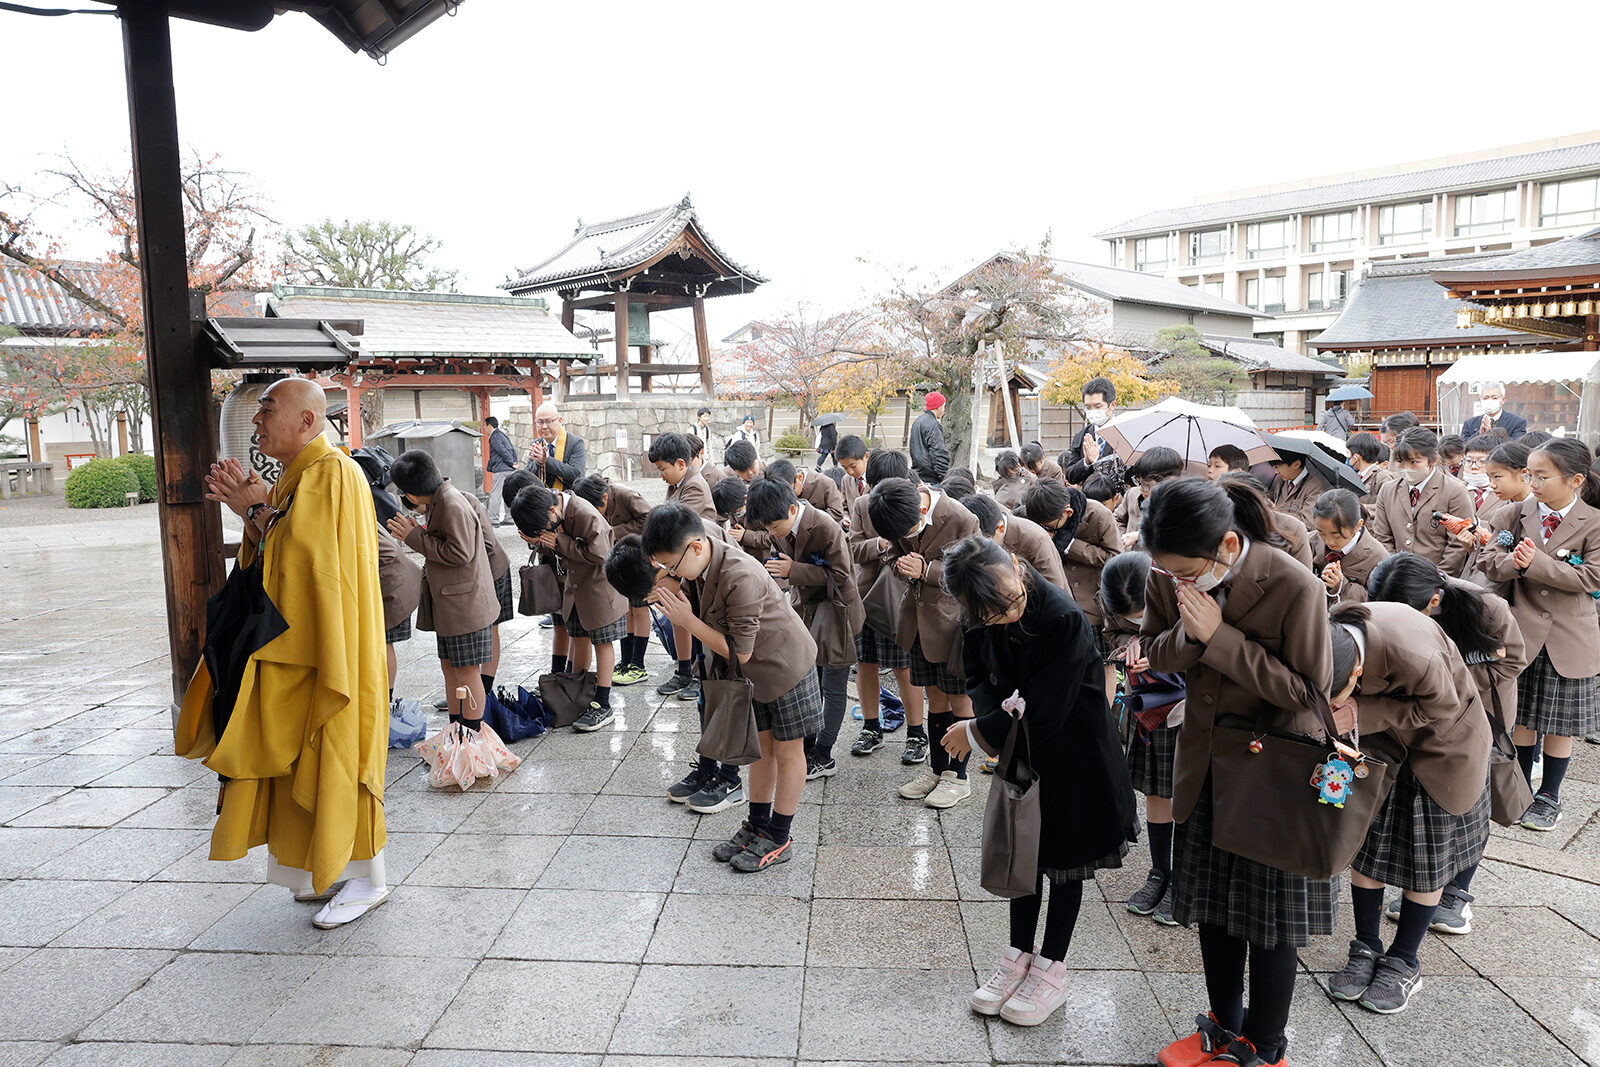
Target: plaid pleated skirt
[
  {"x": 1553, "y": 704},
  {"x": 465, "y": 650},
  {"x": 873, "y": 647},
  {"x": 1415, "y": 844},
  {"x": 937, "y": 675},
  {"x": 502, "y": 592},
  {"x": 611, "y": 631},
  {"x": 1150, "y": 759},
  {"x": 1086, "y": 872},
  {"x": 796, "y": 714},
  {"x": 400, "y": 631},
  {"x": 1263, "y": 905}
]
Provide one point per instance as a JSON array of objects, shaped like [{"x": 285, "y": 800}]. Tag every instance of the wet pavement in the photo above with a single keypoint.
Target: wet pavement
[{"x": 568, "y": 914}]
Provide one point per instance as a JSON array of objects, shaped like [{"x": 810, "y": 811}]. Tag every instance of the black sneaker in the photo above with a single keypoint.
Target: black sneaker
[
  {"x": 1163, "y": 912},
  {"x": 868, "y": 743},
  {"x": 719, "y": 794},
  {"x": 442, "y": 704},
  {"x": 690, "y": 784},
  {"x": 1542, "y": 814},
  {"x": 1393, "y": 982},
  {"x": 916, "y": 750},
  {"x": 820, "y": 768},
  {"x": 674, "y": 684},
  {"x": 690, "y": 691},
  {"x": 1241, "y": 1053},
  {"x": 1149, "y": 895},
  {"x": 761, "y": 854},
  {"x": 736, "y": 844},
  {"x": 593, "y": 719},
  {"x": 1351, "y": 983}
]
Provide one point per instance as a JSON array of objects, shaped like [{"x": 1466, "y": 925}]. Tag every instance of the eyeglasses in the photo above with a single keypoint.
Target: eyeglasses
[
  {"x": 1534, "y": 479},
  {"x": 1179, "y": 577},
  {"x": 992, "y": 618},
  {"x": 1474, "y": 464},
  {"x": 673, "y": 570}
]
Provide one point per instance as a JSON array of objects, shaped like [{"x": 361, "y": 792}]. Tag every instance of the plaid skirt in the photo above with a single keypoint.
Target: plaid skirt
[
  {"x": 1415, "y": 844},
  {"x": 873, "y": 647},
  {"x": 937, "y": 675},
  {"x": 1102, "y": 642},
  {"x": 502, "y": 592},
  {"x": 796, "y": 714},
  {"x": 1553, "y": 704},
  {"x": 400, "y": 632},
  {"x": 1086, "y": 872},
  {"x": 465, "y": 650},
  {"x": 1150, "y": 758},
  {"x": 1263, "y": 905},
  {"x": 611, "y": 631}
]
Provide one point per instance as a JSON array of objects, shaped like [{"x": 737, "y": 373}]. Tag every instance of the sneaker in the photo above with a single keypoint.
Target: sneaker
[
  {"x": 1352, "y": 982},
  {"x": 1542, "y": 814},
  {"x": 1242, "y": 1053},
  {"x": 593, "y": 719},
  {"x": 988, "y": 764},
  {"x": 1199, "y": 1047},
  {"x": 353, "y": 901},
  {"x": 820, "y": 768},
  {"x": 741, "y": 839},
  {"x": 631, "y": 674},
  {"x": 761, "y": 854},
  {"x": 1454, "y": 914},
  {"x": 950, "y": 791},
  {"x": 1149, "y": 895},
  {"x": 1392, "y": 985},
  {"x": 916, "y": 750},
  {"x": 680, "y": 791},
  {"x": 992, "y": 995},
  {"x": 920, "y": 786},
  {"x": 1041, "y": 993},
  {"x": 719, "y": 794},
  {"x": 547, "y": 623},
  {"x": 1163, "y": 912},
  {"x": 868, "y": 743},
  {"x": 690, "y": 691},
  {"x": 674, "y": 684},
  {"x": 442, "y": 704}
]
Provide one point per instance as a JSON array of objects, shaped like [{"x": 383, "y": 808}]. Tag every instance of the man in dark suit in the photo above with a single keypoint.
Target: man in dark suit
[
  {"x": 1099, "y": 400},
  {"x": 1491, "y": 397},
  {"x": 556, "y": 456},
  {"x": 502, "y": 460}
]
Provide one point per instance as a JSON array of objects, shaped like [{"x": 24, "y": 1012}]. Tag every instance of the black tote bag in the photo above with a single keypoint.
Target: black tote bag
[{"x": 541, "y": 589}]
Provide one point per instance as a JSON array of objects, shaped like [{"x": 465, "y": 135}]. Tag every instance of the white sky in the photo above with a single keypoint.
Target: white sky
[{"x": 811, "y": 135}]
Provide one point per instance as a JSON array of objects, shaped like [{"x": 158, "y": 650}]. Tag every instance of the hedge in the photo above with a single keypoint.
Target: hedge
[
  {"x": 102, "y": 483},
  {"x": 144, "y": 468}
]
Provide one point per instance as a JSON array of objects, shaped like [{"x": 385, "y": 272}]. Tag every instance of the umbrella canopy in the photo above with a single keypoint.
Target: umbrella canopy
[
  {"x": 1189, "y": 429},
  {"x": 827, "y": 420},
  {"x": 1333, "y": 470},
  {"x": 1326, "y": 440},
  {"x": 1350, "y": 392}
]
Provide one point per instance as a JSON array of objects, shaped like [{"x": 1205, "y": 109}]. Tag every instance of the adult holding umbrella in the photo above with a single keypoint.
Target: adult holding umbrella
[
  {"x": 1337, "y": 420},
  {"x": 827, "y": 437}
]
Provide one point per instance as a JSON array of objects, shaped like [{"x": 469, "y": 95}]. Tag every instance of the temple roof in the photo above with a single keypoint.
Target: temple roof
[
  {"x": 1398, "y": 305},
  {"x": 1576, "y": 257}
]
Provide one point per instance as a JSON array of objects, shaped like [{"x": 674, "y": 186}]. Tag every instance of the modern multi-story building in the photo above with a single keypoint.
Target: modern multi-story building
[{"x": 1293, "y": 252}]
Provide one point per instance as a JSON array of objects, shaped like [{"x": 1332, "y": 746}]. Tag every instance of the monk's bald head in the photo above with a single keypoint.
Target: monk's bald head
[
  {"x": 291, "y": 413},
  {"x": 547, "y": 421}
]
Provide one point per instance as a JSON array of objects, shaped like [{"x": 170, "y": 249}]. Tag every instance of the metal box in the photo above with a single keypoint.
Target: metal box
[{"x": 456, "y": 449}]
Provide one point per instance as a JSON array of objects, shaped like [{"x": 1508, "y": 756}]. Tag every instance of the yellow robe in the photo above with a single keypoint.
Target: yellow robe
[{"x": 306, "y": 746}]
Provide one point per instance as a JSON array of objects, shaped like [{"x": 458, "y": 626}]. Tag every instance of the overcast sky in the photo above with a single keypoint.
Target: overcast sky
[{"x": 811, "y": 136}]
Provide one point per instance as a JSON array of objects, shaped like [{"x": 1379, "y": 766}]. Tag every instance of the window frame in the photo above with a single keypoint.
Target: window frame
[
  {"x": 1475, "y": 228},
  {"x": 1258, "y": 251},
  {"x": 1198, "y": 257},
  {"x": 1405, "y": 237},
  {"x": 1568, "y": 218},
  {"x": 1150, "y": 266},
  {"x": 1318, "y": 222}
]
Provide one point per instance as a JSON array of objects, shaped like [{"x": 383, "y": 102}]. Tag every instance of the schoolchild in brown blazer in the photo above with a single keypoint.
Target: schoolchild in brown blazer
[
  {"x": 815, "y": 489},
  {"x": 1550, "y": 594},
  {"x": 500, "y": 567},
  {"x": 1402, "y": 516},
  {"x": 702, "y": 462},
  {"x": 729, "y": 499},
  {"x": 1345, "y": 552},
  {"x": 624, "y": 510},
  {"x": 852, "y": 454},
  {"x": 1023, "y": 538},
  {"x": 742, "y": 613},
  {"x": 1295, "y": 488},
  {"x": 1248, "y": 627},
  {"x": 1011, "y": 480},
  {"x": 813, "y": 559},
  {"x": 673, "y": 455},
  {"x": 919, "y": 521},
  {"x": 1040, "y": 465},
  {"x": 1148, "y": 471},
  {"x": 1085, "y": 536},
  {"x": 459, "y": 581},
  {"x": 741, "y": 461},
  {"x": 401, "y": 582},
  {"x": 1411, "y": 691}
]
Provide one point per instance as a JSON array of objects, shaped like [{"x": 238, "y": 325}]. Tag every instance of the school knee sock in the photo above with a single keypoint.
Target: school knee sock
[
  {"x": 1414, "y": 920},
  {"x": 759, "y": 814},
  {"x": 916, "y": 730},
  {"x": 938, "y": 723},
  {"x": 1555, "y": 769},
  {"x": 1368, "y": 907},
  {"x": 488, "y": 683},
  {"x": 558, "y": 663},
  {"x": 1161, "y": 846},
  {"x": 1525, "y": 754},
  {"x": 602, "y": 695},
  {"x": 1272, "y": 972},
  {"x": 778, "y": 827},
  {"x": 1060, "y": 918},
  {"x": 1025, "y": 918},
  {"x": 683, "y": 668},
  {"x": 1223, "y": 957},
  {"x": 639, "y": 644},
  {"x": 1463, "y": 881}
]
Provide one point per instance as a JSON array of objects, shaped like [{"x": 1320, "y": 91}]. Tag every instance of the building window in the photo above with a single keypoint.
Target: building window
[
  {"x": 1568, "y": 203},
  {"x": 1338, "y": 289},
  {"x": 1209, "y": 246},
  {"x": 1266, "y": 240},
  {"x": 1271, "y": 339},
  {"x": 1478, "y": 213},
  {"x": 1272, "y": 294},
  {"x": 1335, "y": 231},
  {"x": 1314, "y": 291},
  {"x": 1326, "y": 289},
  {"x": 1404, "y": 224},
  {"x": 1252, "y": 293},
  {"x": 1214, "y": 288},
  {"x": 1150, "y": 253}
]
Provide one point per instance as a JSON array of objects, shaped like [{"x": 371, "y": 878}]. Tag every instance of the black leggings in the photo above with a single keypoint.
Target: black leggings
[
  {"x": 1272, "y": 976},
  {"x": 1059, "y": 920}
]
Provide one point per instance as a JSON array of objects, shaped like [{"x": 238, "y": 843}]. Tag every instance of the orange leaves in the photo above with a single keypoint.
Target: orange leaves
[{"x": 1134, "y": 386}]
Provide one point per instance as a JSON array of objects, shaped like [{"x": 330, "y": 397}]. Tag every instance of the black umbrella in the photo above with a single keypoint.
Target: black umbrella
[
  {"x": 1332, "y": 467},
  {"x": 240, "y": 620}
]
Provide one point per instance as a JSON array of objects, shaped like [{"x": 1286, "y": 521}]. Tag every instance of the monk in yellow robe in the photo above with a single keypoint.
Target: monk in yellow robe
[{"x": 303, "y": 754}]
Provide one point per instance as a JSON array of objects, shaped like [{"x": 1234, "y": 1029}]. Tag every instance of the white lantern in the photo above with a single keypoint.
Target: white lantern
[{"x": 238, "y": 435}]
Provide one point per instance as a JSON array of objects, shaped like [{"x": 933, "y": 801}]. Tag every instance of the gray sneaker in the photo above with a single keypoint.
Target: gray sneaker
[
  {"x": 718, "y": 795},
  {"x": 1352, "y": 982},
  {"x": 1148, "y": 897},
  {"x": 1393, "y": 982},
  {"x": 593, "y": 719},
  {"x": 690, "y": 691},
  {"x": 674, "y": 684},
  {"x": 761, "y": 854},
  {"x": 1454, "y": 915},
  {"x": 690, "y": 784},
  {"x": 1163, "y": 912},
  {"x": 736, "y": 844},
  {"x": 1542, "y": 814}
]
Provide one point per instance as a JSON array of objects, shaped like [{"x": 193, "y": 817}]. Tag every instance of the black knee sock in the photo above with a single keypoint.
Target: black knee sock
[
  {"x": 778, "y": 826},
  {"x": 1555, "y": 769},
  {"x": 455, "y": 718},
  {"x": 641, "y": 645},
  {"x": 1525, "y": 754},
  {"x": 1414, "y": 920},
  {"x": 1161, "y": 847},
  {"x": 472, "y": 724},
  {"x": 488, "y": 683},
  {"x": 938, "y": 758},
  {"x": 872, "y": 724},
  {"x": 917, "y": 730},
  {"x": 1223, "y": 957},
  {"x": 1025, "y": 918},
  {"x": 1463, "y": 881},
  {"x": 1060, "y": 919},
  {"x": 958, "y": 765},
  {"x": 759, "y": 814},
  {"x": 1272, "y": 972},
  {"x": 683, "y": 668},
  {"x": 602, "y": 695},
  {"x": 558, "y": 663},
  {"x": 1367, "y": 904}
]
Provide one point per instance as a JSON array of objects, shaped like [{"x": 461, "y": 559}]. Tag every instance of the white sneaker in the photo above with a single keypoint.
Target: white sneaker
[
  {"x": 1041, "y": 993},
  {"x": 950, "y": 791},
  {"x": 921, "y": 785},
  {"x": 353, "y": 901},
  {"x": 992, "y": 995}
]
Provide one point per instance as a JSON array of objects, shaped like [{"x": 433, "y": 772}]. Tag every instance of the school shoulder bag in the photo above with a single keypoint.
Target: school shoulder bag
[
  {"x": 567, "y": 695},
  {"x": 541, "y": 588},
  {"x": 1509, "y": 792},
  {"x": 883, "y": 601},
  {"x": 729, "y": 734},
  {"x": 1009, "y": 865}
]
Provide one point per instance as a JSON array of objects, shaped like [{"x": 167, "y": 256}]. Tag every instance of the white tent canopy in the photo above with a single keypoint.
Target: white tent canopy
[{"x": 1557, "y": 392}]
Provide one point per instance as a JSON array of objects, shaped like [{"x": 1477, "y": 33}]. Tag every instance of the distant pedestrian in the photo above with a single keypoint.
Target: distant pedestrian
[
  {"x": 746, "y": 433},
  {"x": 502, "y": 458},
  {"x": 929, "y": 456},
  {"x": 702, "y": 425},
  {"x": 827, "y": 441},
  {"x": 1338, "y": 421}
]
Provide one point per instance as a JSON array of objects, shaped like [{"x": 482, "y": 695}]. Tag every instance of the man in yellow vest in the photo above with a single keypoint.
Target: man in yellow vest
[{"x": 556, "y": 456}]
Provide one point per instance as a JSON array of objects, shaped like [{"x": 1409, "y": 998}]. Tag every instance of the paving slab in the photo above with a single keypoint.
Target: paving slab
[
  {"x": 1467, "y": 1014},
  {"x": 1568, "y": 1007},
  {"x": 54, "y": 993},
  {"x": 22, "y": 849},
  {"x": 429, "y": 921},
  {"x": 1527, "y": 942},
  {"x": 25, "y": 1053},
  {"x": 204, "y": 997},
  {"x": 90, "y": 807},
  {"x": 133, "y": 1054},
  {"x": 868, "y": 873},
  {"x": 875, "y": 1013},
  {"x": 373, "y": 1000},
  {"x": 504, "y": 861},
  {"x": 156, "y": 915},
  {"x": 18, "y": 800},
  {"x": 921, "y": 934},
  {"x": 708, "y": 1010},
  {"x": 430, "y": 1057},
  {"x": 32, "y": 913},
  {"x": 580, "y": 924},
  {"x": 122, "y": 854},
  {"x": 731, "y": 930},
  {"x": 539, "y": 814},
  {"x": 650, "y": 864},
  {"x": 70, "y": 770},
  {"x": 567, "y": 1007},
  {"x": 317, "y": 1056}
]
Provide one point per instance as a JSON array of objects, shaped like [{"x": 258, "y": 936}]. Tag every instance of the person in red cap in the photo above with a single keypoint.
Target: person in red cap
[{"x": 929, "y": 456}]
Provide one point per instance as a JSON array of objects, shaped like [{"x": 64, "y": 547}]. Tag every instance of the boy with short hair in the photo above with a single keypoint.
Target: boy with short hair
[
  {"x": 1225, "y": 458},
  {"x": 852, "y": 454},
  {"x": 742, "y": 461},
  {"x": 1022, "y": 537},
  {"x": 815, "y": 489},
  {"x": 700, "y": 462},
  {"x": 1475, "y": 470},
  {"x": 672, "y": 454},
  {"x": 1452, "y": 449},
  {"x": 624, "y": 510},
  {"x": 1107, "y": 492}
]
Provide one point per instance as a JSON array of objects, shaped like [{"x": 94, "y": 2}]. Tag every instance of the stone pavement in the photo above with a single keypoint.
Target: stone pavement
[{"x": 570, "y": 915}]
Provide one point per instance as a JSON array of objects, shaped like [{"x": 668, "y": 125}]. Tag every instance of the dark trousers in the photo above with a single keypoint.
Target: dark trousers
[{"x": 833, "y": 681}]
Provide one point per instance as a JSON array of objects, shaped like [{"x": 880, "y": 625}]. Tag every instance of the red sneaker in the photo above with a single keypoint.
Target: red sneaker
[
  {"x": 1241, "y": 1053},
  {"x": 1200, "y": 1047}
]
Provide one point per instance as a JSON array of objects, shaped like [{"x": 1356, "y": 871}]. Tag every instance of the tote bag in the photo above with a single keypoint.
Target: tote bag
[
  {"x": 1010, "y": 858},
  {"x": 883, "y": 602},
  {"x": 836, "y": 645},
  {"x": 729, "y": 735},
  {"x": 1509, "y": 792},
  {"x": 567, "y": 695},
  {"x": 541, "y": 589}
]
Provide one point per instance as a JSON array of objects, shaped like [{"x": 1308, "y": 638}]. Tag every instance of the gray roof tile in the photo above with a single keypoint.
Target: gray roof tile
[
  {"x": 1400, "y": 302},
  {"x": 1140, "y": 287},
  {"x": 1256, "y": 354}
]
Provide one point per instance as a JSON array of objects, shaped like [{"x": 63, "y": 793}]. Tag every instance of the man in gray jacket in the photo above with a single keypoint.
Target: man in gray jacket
[{"x": 929, "y": 456}]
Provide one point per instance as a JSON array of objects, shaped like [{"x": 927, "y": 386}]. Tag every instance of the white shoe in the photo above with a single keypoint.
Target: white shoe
[
  {"x": 353, "y": 901},
  {"x": 992, "y": 995},
  {"x": 920, "y": 786},
  {"x": 1041, "y": 993},
  {"x": 950, "y": 791}
]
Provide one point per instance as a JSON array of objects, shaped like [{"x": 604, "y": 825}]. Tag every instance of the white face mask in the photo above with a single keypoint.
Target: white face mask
[
  {"x": 1476, "y": 479},
  {"x": 1097, "y": 416},
  {"x": 1210, "y": 579},
  {"x": 1415, "y": 477},
  {"x": 1491, "y": 408}
]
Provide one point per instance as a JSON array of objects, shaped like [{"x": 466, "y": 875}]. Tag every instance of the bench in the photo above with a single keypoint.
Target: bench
[{"x": 29, "y": 477}]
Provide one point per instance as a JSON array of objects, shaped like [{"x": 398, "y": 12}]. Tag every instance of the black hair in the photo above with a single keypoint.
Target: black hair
[
  {"x": 1102, "y": 386},
  {"x": 1252, "y": 512},
  {"x": 1400, "y": 422},
  {"x": 1482, "y": 442},
  {"x": 740, "y": 456},
  {"x": 1045, "y": 500},
  {"x": 1366, "y": 445},
  {"x": 1512, "y": 455},
  {"x": 491, "y": 422},
  {"x": 986, "y": 511},
  {"x": 1122, "y": 582},
  {"x": 957, "y": 488},
  {"x": 1186, "y": 517},
  {"x": 1346, "y": 652},
  {"x": 780, "y": 470},
  {"x": 1032, "y": 454},
  {"x": 629, "y": 569},
  {"x": 895, "y": 508},
  {"x": 1246, "y": 478},
  {"x": 1101, "y": 488},
  {"x": 1534, "y": 438},
  {"x": 702, "y": 410},
  {"x": 593, "y": 488},
  {"x": 697, "y": 444},
  {"x": 1064, "y": 459},
  {"x": 531, "y": 509},
  {"x": 1158, "y": 463},
  {"x": 850, "y": 446},
  {"x": 1571, "y": 457},
  {"x": 513, "y": 482},
  {"x": 1007, "y": 463},
  {"x": 1416, "y": 443},
  {"x": 885, "y": 464},
  {"x": 671, "y": 448},
  {"x": 1452, "y": 444},
  {"x": 767, "y": 500},
  {"x": 727, "y": 496},
  {"x": 669, "y": 527},
  {"x": 1406, "y": 578},
  {"x": 962, "y": 474},
  {"x": 1340, "y": 507},
  {"x": 1232, "y": 455},
  {"x": 1384, "y": 453},
  {"x": 972, "y": 568},
  {"x": 416, "y": 474}
]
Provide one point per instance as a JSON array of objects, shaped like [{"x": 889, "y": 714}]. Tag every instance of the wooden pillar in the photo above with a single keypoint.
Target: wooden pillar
[
  {"x": 483, "y": 413},
  {"x": 122, "y": 433},
  {"x": 619, "y": 330},
  {"x": 563, "y": 379},
  {"x": 646, "y": 381},
  {"x": 702, "y": 344},
  {"x": 352, "y": 409},
  {"x": 180, "y": 385},
  {"x": 35, "y": 446},
  {"x": 1591, "y": 335}
]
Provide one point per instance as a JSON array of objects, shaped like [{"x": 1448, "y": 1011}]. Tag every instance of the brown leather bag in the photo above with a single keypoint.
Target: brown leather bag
[
  {"x": 883, "y": 601},
  {"x": 541, "y": 589},
  {"x": 1009, "y": 866},
  {"x": 729, "y": 734},
  {"x": 567, "y": 694},
  {"x": 1509, "y": 792},
  {"x": 425, "y": 605}
]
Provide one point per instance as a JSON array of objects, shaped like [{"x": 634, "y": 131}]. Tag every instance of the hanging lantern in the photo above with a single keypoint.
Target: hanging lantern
[
  {"x": 238, "y": 435},
  {"x": 1586, "y": 307},
  {"x": 1569, "y": 308},
  {"x": 1521, "y": 312},
  {"x": 1536, "y": 311}
]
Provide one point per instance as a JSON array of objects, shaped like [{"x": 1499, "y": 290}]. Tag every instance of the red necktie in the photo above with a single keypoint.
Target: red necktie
[
  {"x": 1332, "y": 555},
  {"x": 1477, "y": 497},
  {"x": 1550, "y": 522},
  {"x": 863, "y": 483},
  {"x": 1416, "y": 495}
]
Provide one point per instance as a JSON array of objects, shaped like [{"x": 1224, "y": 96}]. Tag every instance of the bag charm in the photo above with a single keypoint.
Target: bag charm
[
  {"x": 1014, "y": 704},
  {"x": 1332, "y": 781},
  {"x": 1255, "y": 746},
  {"x": 1572, "y": 558}
]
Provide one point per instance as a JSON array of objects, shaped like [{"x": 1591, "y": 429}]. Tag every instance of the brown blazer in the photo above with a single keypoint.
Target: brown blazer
[
  {"x": 626, "y": 510},
  {"x": 499, "y": 562},
  {"x": 1032, "y": 542},
  {"x": 739, "y": 599},
  {"x": 1268, "y": 656},
  {"x": 1356, "y": 565},
  {"x": 1096, "y": 541},
  {"x": 1296, "y": 500},
  {"x": 1376, "y": 477},
  {"x": 865, "y": 551},
  {"x": 1049, "y": 468},
  {"x": 1399, "y": 527},
  {"x": 712, "y": 473},
  {"x": 1008, "y": 492},
  {"x": 1415, "y": 688},
  {"x": 815, "y": 535},
  {"x": 929, "y": 613},
  {"x": 1296, "y": 533},
  {"x": 1550, "y": 600},
  {"x": 1496, "y": 516},
  {"x": 1496, "y": 674},
  {"x": 1127, "y": 513},
  {"x": 819, "y": 491},
  {"x": 850, "y": 489},
  {"x": 399, "y": 578},
  {"x": 583, "y": 541},
  {"x": 693, "y": 493},
  {"x": 460, "y": 582}
]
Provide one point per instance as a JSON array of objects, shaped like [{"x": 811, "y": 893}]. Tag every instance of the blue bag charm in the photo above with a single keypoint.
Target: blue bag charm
[
  {"x": 1332, "y": 781},
  {"x": 408, "y": 724}
]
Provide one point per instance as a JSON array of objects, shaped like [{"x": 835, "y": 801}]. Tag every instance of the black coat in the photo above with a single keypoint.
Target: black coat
[
  {"x": 929, "y": 456},
  {"x": 1509, "y": 421},
  {"x": 1085, "y": 796}
]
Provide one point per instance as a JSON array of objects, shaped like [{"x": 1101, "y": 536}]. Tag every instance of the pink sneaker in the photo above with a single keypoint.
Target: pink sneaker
[
  {"x": 989, "y": 997},
  {"x": 1040, "y": 994}
]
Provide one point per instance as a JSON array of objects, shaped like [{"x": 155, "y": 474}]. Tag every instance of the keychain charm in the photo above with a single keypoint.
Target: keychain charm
[
  {"x": 1332, "y": 781},
  {"x": 1255, "y": 746}
]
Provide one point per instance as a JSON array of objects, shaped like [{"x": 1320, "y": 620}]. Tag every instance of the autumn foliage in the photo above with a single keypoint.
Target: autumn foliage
[{"x": 1134, "y": 386}]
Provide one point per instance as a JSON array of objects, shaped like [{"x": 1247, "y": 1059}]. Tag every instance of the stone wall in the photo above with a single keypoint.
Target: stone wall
[{"x": 605, "y": 423}]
